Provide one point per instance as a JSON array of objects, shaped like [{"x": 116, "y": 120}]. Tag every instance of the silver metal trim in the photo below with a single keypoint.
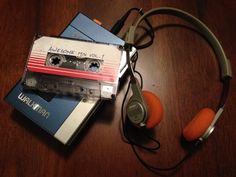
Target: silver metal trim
[{"x": 211, "y": 128}]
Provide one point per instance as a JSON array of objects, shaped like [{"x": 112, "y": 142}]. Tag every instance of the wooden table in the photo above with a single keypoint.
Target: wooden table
[{"x": 179, "y": 67}]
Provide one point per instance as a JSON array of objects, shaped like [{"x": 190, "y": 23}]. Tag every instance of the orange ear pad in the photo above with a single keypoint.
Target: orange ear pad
[
  {"x": 155, "y": 109},
  {"x": 199, "y": 124}
]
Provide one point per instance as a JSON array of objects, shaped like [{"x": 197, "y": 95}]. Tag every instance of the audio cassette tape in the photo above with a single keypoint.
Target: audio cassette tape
[{"x": 73, "y": 67}]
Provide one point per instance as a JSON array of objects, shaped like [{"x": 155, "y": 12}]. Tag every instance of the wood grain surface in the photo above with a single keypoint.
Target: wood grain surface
[{"x": 179, "y": 67}]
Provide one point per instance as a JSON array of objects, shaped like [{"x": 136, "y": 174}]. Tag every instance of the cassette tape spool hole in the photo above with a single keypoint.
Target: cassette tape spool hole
[
  {"x": 94, "y": 66},
  {"x": 55, "y": 60}
]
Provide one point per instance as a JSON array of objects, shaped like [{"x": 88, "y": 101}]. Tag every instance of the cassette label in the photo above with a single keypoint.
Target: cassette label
[{"x": 69, "y": 65}]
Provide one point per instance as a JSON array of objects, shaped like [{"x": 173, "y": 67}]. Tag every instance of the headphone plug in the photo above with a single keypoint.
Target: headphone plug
[{"x": 119, "y": 24}]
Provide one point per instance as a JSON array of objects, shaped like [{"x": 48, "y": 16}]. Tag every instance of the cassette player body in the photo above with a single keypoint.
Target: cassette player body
[{"x": 72, "y": 67}]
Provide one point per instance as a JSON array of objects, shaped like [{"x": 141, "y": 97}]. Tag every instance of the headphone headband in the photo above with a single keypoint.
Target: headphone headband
[{"x": 211, "y": 38}]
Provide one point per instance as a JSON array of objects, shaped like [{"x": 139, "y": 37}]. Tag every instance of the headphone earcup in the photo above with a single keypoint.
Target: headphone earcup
[
  {"x": 199, "y": 124},
  {"x": 155, "y": 109}
]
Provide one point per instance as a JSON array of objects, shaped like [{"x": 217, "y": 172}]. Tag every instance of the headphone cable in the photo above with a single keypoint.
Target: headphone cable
[
  {"x": 134, "y": 144},
  {"x": 125, "y": 131},
  {"x": 120, "y": 23}
]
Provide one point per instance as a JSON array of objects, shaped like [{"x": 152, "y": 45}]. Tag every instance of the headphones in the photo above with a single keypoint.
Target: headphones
[{"x": 144, "y": 109}]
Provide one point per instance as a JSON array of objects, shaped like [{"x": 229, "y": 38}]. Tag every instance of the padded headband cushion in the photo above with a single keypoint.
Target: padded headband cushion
[
  {"x": 199, "y": 124},
  {"x": 155, "y": 109}
]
